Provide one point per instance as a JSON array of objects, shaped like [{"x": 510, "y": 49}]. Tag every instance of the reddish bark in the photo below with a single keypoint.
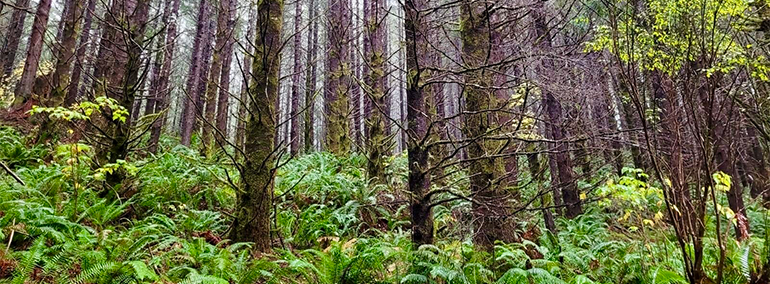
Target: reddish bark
[
  {"x": 65, "y": 51},
  {"x": 13, "y": 38},
  {"x": 163, "y": 88},
  {"x": 223, "y": 100},
  {"x": 34, "y": 49},
  {"x": 191, "y": 96}
]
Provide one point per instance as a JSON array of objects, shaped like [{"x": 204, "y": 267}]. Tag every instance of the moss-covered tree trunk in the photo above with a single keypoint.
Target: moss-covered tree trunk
[
  {"x": 490, "y": 209},
  {"x": 338, "y": 81},
  {"x": 378, "y": 142},
  {"x": 252, "y": 218}
]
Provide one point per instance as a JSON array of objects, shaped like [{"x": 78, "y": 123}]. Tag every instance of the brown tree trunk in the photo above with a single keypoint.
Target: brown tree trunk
[
  {"x": 13, "y": 38},
  {"x": 252, "y": 218},
  {"x": 191, "y": 97},
  {"x": 419, "y": 177},
  {"x": 491, "y": 209},
  {"x": 554, "y": 111},
  {"x": 223, "y": 101},
  {"x": 24, "y": 100},
  {"x": 72, "y": 91},
  {"x": 240, "y": 132},
  {"x": 215, "y": 72},
  {"x": 338, "y": 81},
  {"x": 163, "y": 88},
  {"x": 377, "y": 141}
]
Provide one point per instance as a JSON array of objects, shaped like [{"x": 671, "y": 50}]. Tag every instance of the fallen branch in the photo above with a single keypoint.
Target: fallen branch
[{"x": 10, "y": 172}]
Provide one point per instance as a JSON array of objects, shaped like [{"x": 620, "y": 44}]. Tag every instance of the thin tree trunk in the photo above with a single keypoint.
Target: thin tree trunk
[
  {"x": 377, "y": 141},
  {"x": 554, "y": 111},
  {"x": 83, "y": 45},
  {"x": 311, "y": 79},
  {"x": 163, "y": 87},
  {"x": 215, "y": 72},
  {"x": 13, "y": 38},
  {"x": 296, "y": 81},
  {"x": 223, "y": 101},
  {"x": 244, "y": 103}
]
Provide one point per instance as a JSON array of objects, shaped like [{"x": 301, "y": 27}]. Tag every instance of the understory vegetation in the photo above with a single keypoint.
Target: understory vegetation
[{"x": 170, "y": 222}]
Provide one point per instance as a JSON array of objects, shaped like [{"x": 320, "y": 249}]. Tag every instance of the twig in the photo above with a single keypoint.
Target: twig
[{"x": 10, "y": 172}]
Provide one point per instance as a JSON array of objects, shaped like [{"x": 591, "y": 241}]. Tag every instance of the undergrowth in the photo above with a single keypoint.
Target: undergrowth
[{"x": 331, "y": 226}]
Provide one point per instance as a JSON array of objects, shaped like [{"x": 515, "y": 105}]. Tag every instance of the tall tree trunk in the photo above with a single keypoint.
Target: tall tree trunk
[
  {"x": 223, "y": 101},
  {"x": 377, "y": 141},
  {"x": 311, "y": 79},
  {"x": 215, "y": 72},
  {"x": 13, "y": 38},
  {"x": 24, "y": 100},
  {"x": 490, "y": 209},
  {"x": 72, "y": 91},
  {"x": 554, "y": 111},
  {"x": 296, "y": 80},
  {"x": 163, "y": 92},
  {"x": 419, "y": 177},
  {"x": 338, "y": 81},
  {"x": 252, "y": 218},
  {"x": 244, "y": 102},
  {"x": 191, "y": 96}
]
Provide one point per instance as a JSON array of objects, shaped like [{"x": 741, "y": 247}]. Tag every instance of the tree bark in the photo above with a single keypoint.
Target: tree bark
[
  {"x": 490, "y": 210},
  {"x": 376, "y": 90},
  {"x": 252, "y": 218},
  {"x": 13, "y": 38},
  {"x": 191, "y": 97},
  {"x": 296, "y": 76},
  {"x": 24, "y": 100},
  {"x": 419, "y": 177},
  {"x": 215, "y": 73},
  {"x": 311, "y": 79},
  {"x": 338, "y": 80},
  {"x": 554, "y": 111},
  {"x": 83, "y": 45},
  {"x": 223, "y": 101},
  {"x": 163, "y": 92}
]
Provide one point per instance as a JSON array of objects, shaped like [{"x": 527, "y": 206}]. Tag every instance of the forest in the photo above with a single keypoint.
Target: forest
[{"x": 385, "y": 141}]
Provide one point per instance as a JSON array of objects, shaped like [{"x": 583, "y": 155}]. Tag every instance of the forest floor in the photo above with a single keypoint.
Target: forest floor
[{"x": 329, "y": 226}]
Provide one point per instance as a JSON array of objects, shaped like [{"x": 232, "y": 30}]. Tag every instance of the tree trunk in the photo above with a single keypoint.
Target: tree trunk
[
  {"x": 490, "y": 209},
  {"x": 215, "y": 72},
  {"x": 72, "y": 91},
  {"x": 554, "y": 111},
  {"x": 377, "y": 141},
  {"x": 244, "y": 102},
  {"x": 191, "y": 96},
  {"x": 223, "y": 101},
  {"x": 163, "y": 86},
  {"x": 296, "y": 81},
  {"x": 338, "y": 80},
  {"x": 311, "y": 79},
  {"x": 419, "y": 177},
  {"x": 13, "y": 38},
  {"x": 24, "y": 100},
  {"x": 252, "y": 218}
]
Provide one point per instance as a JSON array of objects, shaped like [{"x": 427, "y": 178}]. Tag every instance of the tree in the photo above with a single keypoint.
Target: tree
[
  {"x": 311, "y": 78},
  {"x": 192, "y": 95},
  {"x": 24, "y": 100},
  {"x": 13, "y": 37},
  {"x": 162, "y": 86},
  {"x": 213, "y": 86},
  {"x": 223, "y": 101},
  {"x": 296, "y": 78},
  {"x": 417, "y": 151},
  {"x": 338, "y": 81},
  {"x": 83, "y": 46},
  {"x": 378, "y": 142},
  {"x": 252, "y": 218}
]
